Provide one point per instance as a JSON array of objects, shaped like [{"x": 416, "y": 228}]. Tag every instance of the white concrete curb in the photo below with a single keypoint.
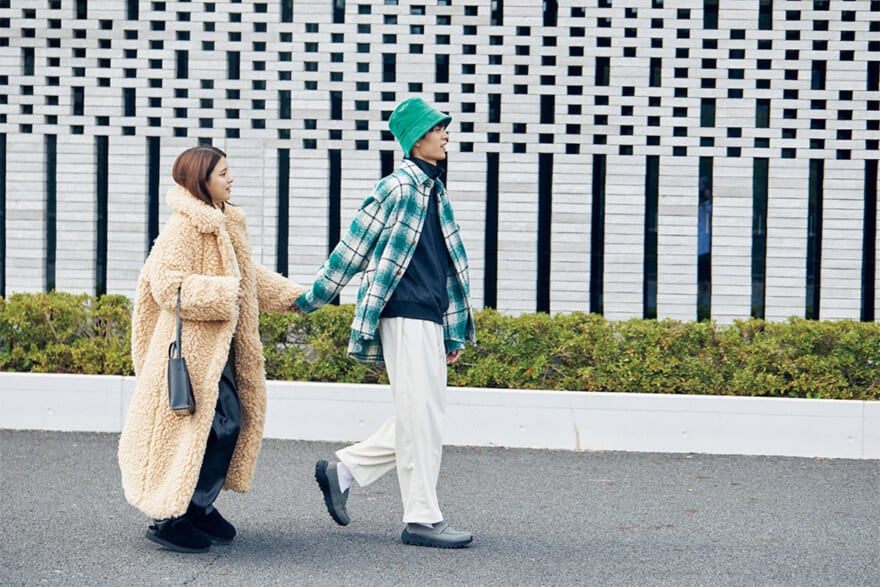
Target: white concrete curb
[{"x": 490, "y": 417}]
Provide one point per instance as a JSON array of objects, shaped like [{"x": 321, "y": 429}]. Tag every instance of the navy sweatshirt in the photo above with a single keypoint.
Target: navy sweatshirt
[{"x": 421, "y": 293}]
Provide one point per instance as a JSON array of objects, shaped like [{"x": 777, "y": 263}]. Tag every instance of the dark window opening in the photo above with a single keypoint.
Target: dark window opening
[
  {"x": 494, "y": 107},
  {"x": 707, "y": 112},
  {"x": 284, "y": 103},
  {"x": 336, "y": 105},
  {"x": 817, "y": 80},
  {"x": 760, "y": 184},
  {"x": 334, "y": 212},
  {"x": 603, "y": 71},
  {"x": 51, "y": 147},
  {"x": 545, "y": 217},
  {"x": 710, "y": 14},
  {"x": 652, "y": 200},
  {"x": 389, "y": 67},
  {"x": 281, "y": 236},
  {"x": 79, "y": 99},
  {"x": 129, "y": 101},
  {"x": 548, "y": 108},
  {"x": 2, "y": 215},
  {"x": 233, "y": 65},
  {"x": 441, "y": 69},
  {"x": 153, "y": 169},
  {"x": 597, "y": 236},
  {"x": 27, "y": 61},
  {"x": 551, "y": 12},
  {"x": 102, "y": 185},
  {"x": 814, "y": 238},
  {"x": 496, "y": 12},
  {"x": 656, "y": 71},
  {"x": 490, "y": 279},
  {"x": 762, "y": 113},
  {"x": 704, "y": 241},
  {"x": 869, "y": 242},
  {"x": 765, "y": 15},
  {"x": 182, "y": 64},
  {"x": 386, "y": 161}
]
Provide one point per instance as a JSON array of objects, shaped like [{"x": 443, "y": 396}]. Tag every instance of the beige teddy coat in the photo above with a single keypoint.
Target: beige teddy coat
[{"x": 160, "y": 453}]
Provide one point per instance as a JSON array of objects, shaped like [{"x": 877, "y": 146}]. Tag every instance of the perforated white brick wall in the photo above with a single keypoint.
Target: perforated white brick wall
[{"x": 626, "y": 79}]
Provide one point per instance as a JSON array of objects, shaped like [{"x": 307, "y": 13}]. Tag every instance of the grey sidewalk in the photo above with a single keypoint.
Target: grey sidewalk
[{"x": 539, "y": 518}]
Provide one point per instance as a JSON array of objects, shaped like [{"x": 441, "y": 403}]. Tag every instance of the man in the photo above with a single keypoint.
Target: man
[{"x": 413, "y": 314}]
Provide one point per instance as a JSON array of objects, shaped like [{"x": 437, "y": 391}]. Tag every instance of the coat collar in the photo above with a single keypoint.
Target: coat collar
[
  {"x": 412, "y": 169},
  {"x": 204, "y": 218},
  {"x": 431, "y": 170}
]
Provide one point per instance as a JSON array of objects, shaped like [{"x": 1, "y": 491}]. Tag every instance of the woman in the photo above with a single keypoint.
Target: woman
[{"x": 173, "y": 467}]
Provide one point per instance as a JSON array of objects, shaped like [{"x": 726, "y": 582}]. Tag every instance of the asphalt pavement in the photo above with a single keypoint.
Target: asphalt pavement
[{"x": 539, "y": 517}]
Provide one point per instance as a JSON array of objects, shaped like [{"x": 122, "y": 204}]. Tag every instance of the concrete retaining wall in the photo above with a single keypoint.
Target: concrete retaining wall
[{"x": 490, "y": 417}]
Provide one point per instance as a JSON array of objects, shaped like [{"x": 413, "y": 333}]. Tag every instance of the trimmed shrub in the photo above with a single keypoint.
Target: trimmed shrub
[
  {"x": 66, "y": 333},
  {"x": 314, "y": 347}
]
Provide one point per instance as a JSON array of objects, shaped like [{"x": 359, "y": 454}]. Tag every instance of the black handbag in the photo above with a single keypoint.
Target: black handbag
[{"x": 180, "y": 392}]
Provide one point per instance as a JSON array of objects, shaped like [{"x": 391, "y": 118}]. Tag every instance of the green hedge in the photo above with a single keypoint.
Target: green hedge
[{"x": 67, "y": 333}]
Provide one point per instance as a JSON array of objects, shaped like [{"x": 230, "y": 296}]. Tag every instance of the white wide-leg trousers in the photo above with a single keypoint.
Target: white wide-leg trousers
[{"x": 412, "y": 439}]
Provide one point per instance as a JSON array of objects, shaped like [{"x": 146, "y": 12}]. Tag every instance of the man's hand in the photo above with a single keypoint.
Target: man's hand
[{"x": 453, "y": 356}]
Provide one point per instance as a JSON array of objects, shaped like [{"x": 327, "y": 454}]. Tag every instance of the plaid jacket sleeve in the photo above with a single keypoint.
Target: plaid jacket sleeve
[
  {"x": 458, "y": 321},
  {"x": 348, "y": 258}
]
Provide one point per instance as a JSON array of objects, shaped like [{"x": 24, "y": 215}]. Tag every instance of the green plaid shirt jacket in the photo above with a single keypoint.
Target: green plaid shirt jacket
[{"x": 380, "y": 242}]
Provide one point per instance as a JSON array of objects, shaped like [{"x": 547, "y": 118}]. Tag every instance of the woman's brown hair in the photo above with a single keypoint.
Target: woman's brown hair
[{"x": 193, "y": 167}]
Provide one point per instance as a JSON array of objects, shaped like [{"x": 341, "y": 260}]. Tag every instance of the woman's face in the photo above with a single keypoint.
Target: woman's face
[
  {"x": 432, "y": 146},
  {"x": 220, "y": 183}
]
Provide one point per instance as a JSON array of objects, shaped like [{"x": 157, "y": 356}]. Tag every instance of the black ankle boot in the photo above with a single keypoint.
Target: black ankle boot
[
  {"x": 211, "y": 523},
  {"x": 179, "y": 535}
]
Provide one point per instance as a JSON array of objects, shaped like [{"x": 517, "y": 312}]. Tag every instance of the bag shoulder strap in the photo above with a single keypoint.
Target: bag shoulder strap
[{"x": 176, "y": 345}]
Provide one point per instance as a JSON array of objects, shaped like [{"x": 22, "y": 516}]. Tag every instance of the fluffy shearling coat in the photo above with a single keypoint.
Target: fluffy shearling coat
[{"x": 202, "y": 249}]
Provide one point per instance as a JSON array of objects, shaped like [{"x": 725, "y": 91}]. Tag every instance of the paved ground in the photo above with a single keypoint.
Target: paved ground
[{"x": 539, "y": 518}]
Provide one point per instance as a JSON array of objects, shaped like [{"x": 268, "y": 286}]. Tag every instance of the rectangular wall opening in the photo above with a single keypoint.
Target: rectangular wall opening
[
  {"x": 102, "y": 192},
  {"x": 760, "y": 183},
  {"x": 652, "y": 202},
  {"x": 281, "y": 236},
  {"x": 814, "y": 239},
  {"x": 334, "y": 211},
  {"x": 597, "y": 236},
  {"x": 490, "y": 279},
  {"x": 545, "y": 217},
  {"x": 704, "y": 240},
  {"x": 869, "y": 242},
  {"x": 51, "y": 147}
]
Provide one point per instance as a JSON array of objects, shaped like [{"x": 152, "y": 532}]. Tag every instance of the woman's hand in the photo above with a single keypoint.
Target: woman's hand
[{"x": 453, "y": 356}]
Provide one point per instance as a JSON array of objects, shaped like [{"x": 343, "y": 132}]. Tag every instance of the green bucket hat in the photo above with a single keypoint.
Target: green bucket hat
[{"x": 412, "y": 119}]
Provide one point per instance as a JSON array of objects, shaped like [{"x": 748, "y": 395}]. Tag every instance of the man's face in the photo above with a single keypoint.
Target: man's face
[{"x": 432, "y": 146}]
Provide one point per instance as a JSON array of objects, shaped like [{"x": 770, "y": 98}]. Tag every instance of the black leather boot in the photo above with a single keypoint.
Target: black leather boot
[
  {"x": 179, "y": 535},
  {"x": 210, "y": 522}
]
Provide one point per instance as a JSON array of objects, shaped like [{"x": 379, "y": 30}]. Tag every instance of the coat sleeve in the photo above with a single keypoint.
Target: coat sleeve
[
  {"x": 275, "y": 293},
  {"x": 349, "y": 257},
  {"x": 175, "y": 261}
]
